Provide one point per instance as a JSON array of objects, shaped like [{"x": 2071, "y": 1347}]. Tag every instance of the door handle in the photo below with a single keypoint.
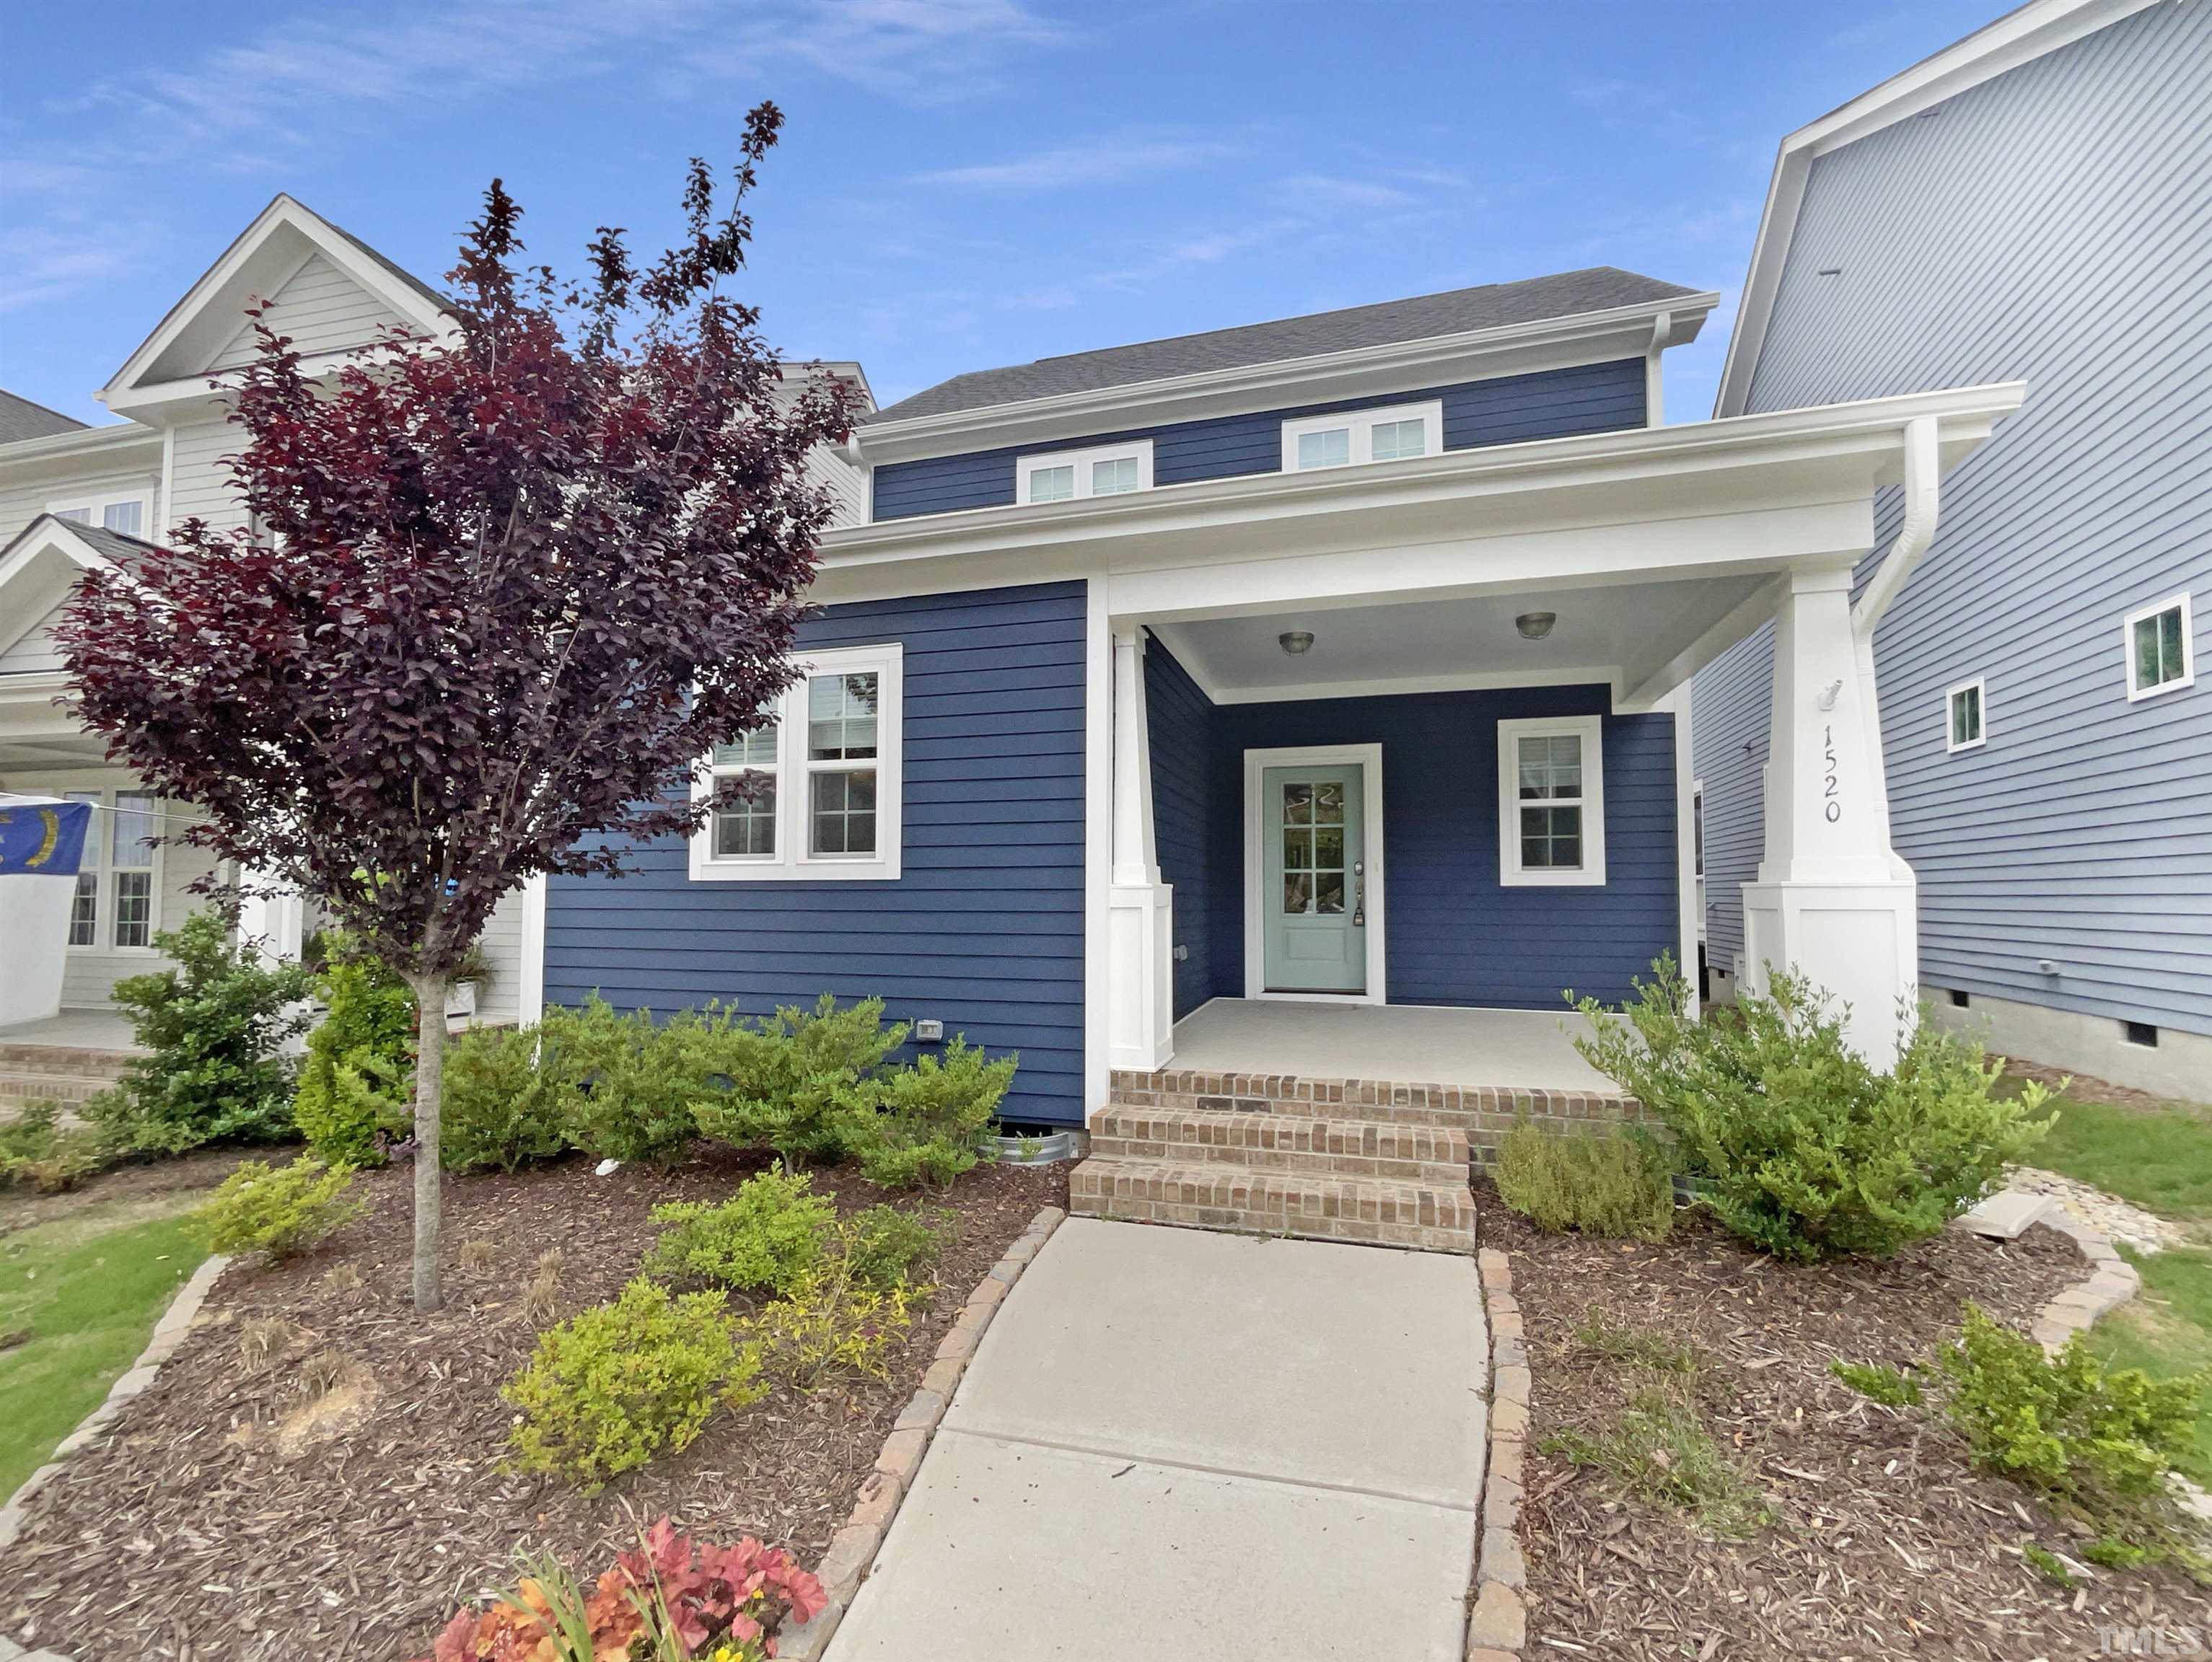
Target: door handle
[{"x": 1359, "y": 895}]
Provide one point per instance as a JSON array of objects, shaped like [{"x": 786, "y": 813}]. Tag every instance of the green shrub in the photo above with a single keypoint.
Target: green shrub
[
  {"x": 611, "y": 1386},
  {"x": 501, "y": 1109},
  {"x": 356, "y": 1084},
  {"x": 888, "y": 1246},
  {"x": 36, "y": 1151},
  {"x": 1801, "y": 1148},
  {"x": 2067, "y": 1424},
  {"x": 832, "y": 1323},
  {"x": 628, "y": 1084},
  {"x": 279, "y": 1210},
  {"x": 1642, "y": 1347},
  {"x": 213, "y": 1029},
  {"x": 932, "y": 1121},
  {"x": 1892, "y": 1387},
  {"x": 1602, "y": 1183},
  {"x": 800, "y": 1080},
  {"x": 770, "y": 1234}
]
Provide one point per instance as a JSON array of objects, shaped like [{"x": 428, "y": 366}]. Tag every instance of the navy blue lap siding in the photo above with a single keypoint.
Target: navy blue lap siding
[
  {"x": 984, "y": 927},
  {"x": 1455, "y": 935},
  {"x": 1506, "y": 409}
]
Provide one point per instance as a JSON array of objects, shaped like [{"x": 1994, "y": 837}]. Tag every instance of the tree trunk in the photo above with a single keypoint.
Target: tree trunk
[{"x": 429, "y": 1097}]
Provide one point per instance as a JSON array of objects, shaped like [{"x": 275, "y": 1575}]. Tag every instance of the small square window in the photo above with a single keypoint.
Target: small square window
[
  {"x": 1551, "y": 801},
  {"x": 1394, "y": 440},
  {"x": 2159, "y": 649},
  {"x": 128, "y": 518},
  {"x": 1052, "y": 484},
  {"x": 1112, "y": 477},
  {"x": 1963, "y": 715},
  {"x": 1331, "y": 447},
  {"x": 1072, "y": 475}
]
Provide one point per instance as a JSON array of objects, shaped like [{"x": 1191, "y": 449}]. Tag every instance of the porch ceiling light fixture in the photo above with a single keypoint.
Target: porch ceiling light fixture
[
  {"x": 1535, "y": 626},
  {"x": 1295, "y": 641}
]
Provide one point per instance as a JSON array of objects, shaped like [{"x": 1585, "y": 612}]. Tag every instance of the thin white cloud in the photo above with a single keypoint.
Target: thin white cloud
[{"x": 1100, "y": 161}]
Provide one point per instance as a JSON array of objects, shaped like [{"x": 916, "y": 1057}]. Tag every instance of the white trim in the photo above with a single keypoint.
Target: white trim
[
  {"x": 1360, "y": 425},
  {"x": 1256, "y": 763},
  {"x": 1689, "y": 885},
  {"x": 1979, "y": 688},
  {"x": 2188, "y": 676},
  {"x": 1395, "y": 368},
  {"x": 1469, "y": 680},
  {"x": 1080, "y": 465},
  {"x": 530, "y": 985},
  {"x": 1097, "y": 845},
  {"x": 1510, "y": 731},
  {"x": 2040, "y": 26},
  {"x": 792, "y": 861}
]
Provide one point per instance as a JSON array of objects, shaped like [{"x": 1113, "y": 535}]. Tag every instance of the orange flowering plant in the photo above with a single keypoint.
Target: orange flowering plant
[{"x": 669, "y": 1599}]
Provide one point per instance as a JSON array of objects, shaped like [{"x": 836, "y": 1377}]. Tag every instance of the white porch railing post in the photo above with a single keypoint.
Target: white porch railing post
[
  {"x": 1140, "y": 938},
  {"x": 1832, "y": 900}
]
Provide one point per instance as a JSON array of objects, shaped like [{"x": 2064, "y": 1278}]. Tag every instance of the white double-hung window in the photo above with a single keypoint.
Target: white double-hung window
[
  {"x": 822, "y": 778},
  {"x": 1551, "y": 802},
  {"x": 117, "y": 908},
  {"x": 1964, "y": 712},
  {"x": 125, "y": 513},
  {"x": 1397, "y": 433},
  {"x": 1066, "y": 475}
]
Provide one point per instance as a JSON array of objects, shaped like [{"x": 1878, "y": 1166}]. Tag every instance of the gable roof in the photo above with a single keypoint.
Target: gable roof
[
  {"x": 20, "y": 419},
  {"x": 1424, "y": 317},
  {"x": 2017, "y": 37}
]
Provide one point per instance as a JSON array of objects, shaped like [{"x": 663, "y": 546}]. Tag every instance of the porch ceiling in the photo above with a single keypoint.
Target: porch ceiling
[{"x": 1619, "y": 635}]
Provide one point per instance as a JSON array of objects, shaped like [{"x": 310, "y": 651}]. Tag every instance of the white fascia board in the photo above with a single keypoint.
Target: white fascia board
[
  {"x": 1361, "y": 372},
  {"x": 127, "y": 390},
  {"x": 1829, "y": 453},
  {"x": 68, "y": 453},
  {"x": 2017, "y": 38}
]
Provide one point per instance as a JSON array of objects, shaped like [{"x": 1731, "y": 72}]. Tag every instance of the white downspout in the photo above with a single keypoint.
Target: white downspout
[{"x": 1923, "y": 509}]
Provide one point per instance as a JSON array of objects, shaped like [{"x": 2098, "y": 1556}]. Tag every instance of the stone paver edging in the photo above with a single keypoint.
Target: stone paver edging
[
  {"x": 852, "y": 1549},
  {"x": 169, "y": 1333},
  {"x": 1497, "y": 1619},
  {"x": 2113, "y": 1282}
]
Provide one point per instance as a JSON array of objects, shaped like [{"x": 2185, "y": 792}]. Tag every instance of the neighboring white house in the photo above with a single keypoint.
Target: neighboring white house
[{"x": 73, "y": 496}]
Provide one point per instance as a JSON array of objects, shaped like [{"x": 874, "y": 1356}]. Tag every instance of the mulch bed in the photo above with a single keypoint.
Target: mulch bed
[
  {"x": 234, "y": 1520},
  {"x": 1885, "y": 1543}
]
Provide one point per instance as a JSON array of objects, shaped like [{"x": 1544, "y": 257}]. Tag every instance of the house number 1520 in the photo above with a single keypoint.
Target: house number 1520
[{"x": 1834, "y": 809}]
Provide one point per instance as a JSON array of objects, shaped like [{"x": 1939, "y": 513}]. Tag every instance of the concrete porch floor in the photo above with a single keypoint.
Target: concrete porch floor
[
  {"x": 1410, "y": 1044},
  {"x": 73, "y": 1029}
]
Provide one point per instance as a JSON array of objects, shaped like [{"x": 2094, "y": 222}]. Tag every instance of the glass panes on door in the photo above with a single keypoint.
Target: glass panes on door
[
  {"x": 1551, "y": 776},
  {"x": 746, "y": 829},
  {"x": 840, "y": 733},
  {"x": 1313, "y": 849},
  {"x": 134, "y": 830}
]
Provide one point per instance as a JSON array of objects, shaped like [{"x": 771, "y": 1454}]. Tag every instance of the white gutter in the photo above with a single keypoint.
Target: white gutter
[{"x": 1922, "y": 507}]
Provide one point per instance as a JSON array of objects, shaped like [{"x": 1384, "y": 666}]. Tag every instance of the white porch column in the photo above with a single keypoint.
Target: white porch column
[
  {"x": 1141, "y": 936},
  {"x": 1832, "y": 901},
  {"x": 275, "y": 917}
]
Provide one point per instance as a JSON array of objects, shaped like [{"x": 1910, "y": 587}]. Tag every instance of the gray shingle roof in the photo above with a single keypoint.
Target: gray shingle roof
[
  {"x": 124, "y": 550},
  {"x": 20, "y": 419},
  {"x": 1493, "y": 305}
]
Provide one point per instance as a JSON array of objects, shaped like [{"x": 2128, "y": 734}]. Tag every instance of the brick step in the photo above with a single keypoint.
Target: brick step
[
  {"x": 1282, "y": 1141},
  {"x": 1385, "y": 1211},
  {"x": 76, "y": 1061},
  {"x": 23, "y": 1090}
]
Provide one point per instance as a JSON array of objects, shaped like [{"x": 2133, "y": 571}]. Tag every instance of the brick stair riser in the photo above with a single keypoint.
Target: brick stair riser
[
  {"x": 22, "y": 1092},
  {"x": 1306, "y": 1144},
  {"x": 61, "y": 1059},
  {"x": 1437, "y": 1218}
]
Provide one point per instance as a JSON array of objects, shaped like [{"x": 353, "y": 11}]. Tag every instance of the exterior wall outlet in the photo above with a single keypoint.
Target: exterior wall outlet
[{"x": 928, "y": 1030}]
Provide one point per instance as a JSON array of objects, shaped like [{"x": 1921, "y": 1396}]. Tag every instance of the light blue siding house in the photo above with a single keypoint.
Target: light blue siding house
[{"x": 2030, "y": 205}]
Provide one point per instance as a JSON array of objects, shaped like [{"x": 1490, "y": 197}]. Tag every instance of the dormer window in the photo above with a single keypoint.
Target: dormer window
[
  {"x": 1398, "y": 433},
  {"x": 1067, "y": 475}
]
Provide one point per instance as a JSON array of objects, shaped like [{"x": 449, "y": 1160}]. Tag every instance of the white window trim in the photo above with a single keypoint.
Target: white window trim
[
  {"x": 1510, "y": 872},
  {"x": 792, "y": 861},
  {"x": 1081, "y": 461},
  {"x": 99, "y": 846},
  {"x": 1363, "y": 423},
  {"x": 1980, "y": 687},
  {"x": 97, "y": 507},
  {"x": 2188, "y": 676}
]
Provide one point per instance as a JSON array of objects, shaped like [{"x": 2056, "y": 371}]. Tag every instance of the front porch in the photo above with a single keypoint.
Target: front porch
[{"x": 1514, "y": 1050}]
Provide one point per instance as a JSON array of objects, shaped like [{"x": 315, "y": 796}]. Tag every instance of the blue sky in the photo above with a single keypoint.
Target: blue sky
[{"x": 964, "y": 183}]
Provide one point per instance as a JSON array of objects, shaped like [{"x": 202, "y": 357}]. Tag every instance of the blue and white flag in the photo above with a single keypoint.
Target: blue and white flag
[{"x": 42, "y": 844}]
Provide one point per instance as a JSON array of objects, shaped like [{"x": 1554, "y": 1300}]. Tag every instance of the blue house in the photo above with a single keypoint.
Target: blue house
[{"x": 2043, "y": 730}]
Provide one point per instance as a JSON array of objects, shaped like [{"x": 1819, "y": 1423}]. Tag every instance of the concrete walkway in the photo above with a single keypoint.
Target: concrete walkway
[{"x": 1180, "y": 1445}]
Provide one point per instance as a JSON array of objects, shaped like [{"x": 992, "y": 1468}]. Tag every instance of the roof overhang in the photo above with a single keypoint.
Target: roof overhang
[
  {"x": 166, "y": 376},
  {"x": 60, "y": 454},
  {"x": 1628, "y": 332},
  {"x": 2020, "y": 36}
]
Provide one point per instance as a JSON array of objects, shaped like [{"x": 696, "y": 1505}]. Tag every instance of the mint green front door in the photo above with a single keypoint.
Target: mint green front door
[{"x": 1313, "y": 916}]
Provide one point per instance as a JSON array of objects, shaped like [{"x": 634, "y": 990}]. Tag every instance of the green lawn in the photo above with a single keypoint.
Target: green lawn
[
  {"x": 2161, "y": 1160},
  {"x": 88, "y": 1296}
]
